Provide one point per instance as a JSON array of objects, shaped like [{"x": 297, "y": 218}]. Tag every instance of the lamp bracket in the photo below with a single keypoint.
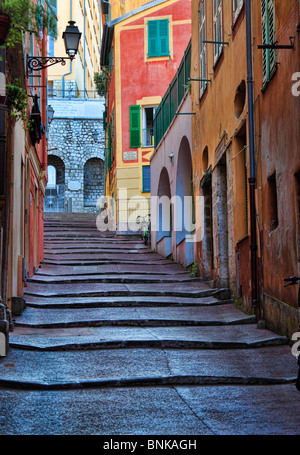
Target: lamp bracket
[{"x": 39, "y": 63}]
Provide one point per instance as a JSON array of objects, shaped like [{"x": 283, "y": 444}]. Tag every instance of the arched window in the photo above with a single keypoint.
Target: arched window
[{"x": 51, "y": 176}]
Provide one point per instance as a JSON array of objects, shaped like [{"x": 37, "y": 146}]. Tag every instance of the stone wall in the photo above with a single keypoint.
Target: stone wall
[{"x": 71, "y": 139}]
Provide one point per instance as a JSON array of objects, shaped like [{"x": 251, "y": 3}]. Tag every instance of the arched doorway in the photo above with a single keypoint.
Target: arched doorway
[
  {"x": 164, "y": 214},
  {"x": 184, "y": 207},
  {"x": 93, "y": 182},
  {"x": 55, "y": 190}
]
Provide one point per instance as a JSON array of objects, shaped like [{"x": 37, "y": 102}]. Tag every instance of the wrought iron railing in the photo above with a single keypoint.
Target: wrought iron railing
[{"x": 166, "y": 110}]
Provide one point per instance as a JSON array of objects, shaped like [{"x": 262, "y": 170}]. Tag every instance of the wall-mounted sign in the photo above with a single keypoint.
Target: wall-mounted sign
[{"x": 130, "y": 156}]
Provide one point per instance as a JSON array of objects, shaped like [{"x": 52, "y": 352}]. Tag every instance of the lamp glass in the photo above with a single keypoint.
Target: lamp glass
[{"x": 71, "y": 38}]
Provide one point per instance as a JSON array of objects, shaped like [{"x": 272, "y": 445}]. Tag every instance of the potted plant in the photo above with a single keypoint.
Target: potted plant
[{"x": 20, "y": 16}]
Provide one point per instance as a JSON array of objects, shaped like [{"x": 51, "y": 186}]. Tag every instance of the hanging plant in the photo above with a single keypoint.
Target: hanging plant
[
  {"x": 17, "y": 101},
  {"x": 25, "y": 16},
  {"x": 100, "y": 81}
]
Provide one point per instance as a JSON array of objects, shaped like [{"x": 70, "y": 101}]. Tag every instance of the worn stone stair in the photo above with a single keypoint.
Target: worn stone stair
[{"x": 105, "y": 311}]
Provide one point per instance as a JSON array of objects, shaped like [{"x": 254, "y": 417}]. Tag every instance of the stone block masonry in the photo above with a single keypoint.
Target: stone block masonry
[{"x": 77, "y": 157}]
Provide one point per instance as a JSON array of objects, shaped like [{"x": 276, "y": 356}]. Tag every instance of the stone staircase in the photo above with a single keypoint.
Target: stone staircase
[{"x": 105, "y": 311}]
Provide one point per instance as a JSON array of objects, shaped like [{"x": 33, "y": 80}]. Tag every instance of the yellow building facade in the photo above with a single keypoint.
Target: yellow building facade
[{"x": 77, "y": 76}]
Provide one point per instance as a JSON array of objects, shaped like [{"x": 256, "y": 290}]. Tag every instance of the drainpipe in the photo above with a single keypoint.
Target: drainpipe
[
  {"x": 71, "y": 62},
  {"x": 252, "y": 179}
]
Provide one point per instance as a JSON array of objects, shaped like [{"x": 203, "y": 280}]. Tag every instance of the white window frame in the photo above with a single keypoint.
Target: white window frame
[
  {"x": 202, "y": 46},
  {"x": 217, "y": 28}
]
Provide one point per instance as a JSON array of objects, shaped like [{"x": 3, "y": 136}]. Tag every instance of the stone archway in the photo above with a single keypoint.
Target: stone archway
[
  {"x": 55, "y": 190},
  {"x": 164, "y": 215},
  {"x": 184, "y": 208},
  {"x": 93, "y": 182}
]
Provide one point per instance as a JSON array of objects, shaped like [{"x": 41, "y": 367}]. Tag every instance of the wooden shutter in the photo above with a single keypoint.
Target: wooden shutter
[
  {"x": 202, "y": 45},
  {"x": 152, "y": 38},
  {"x": 146, "y": 179},
  {"x": 218, "y": 28},
  {"x": 268, "y": 37},
  {"x": 53, "y": 16},
  {"x": 135, "y": 127},
  {"x": 163, "y": 37},
  {"x": 158, "y": 38}
]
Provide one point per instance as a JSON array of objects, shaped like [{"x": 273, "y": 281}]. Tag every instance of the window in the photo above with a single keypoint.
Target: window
[
  {"x": 218, "y": 29},
  {"x": 135, "y": 122},
  {"x": 202, "y": 46},
  {"x": 268, "y": 37},
  {"x": 237, "y": 6},
  {"x": 158, "y": 38},
  {"x": 51, "y": 176},
  {"x": 272, "y": 202},
  {"x": 146, "y": 179},
  {"x": 148, "y": 125},
  {"x": 53, "y": 18},
  {"x": 50, "y": 46}
]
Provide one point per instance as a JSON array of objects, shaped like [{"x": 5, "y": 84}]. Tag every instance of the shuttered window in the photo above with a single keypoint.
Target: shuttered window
[
  {"x": 268, "y": 37},
  {"x": 52, "y": 30},
  {"x": 218, "y": 28},
  {"x": 202, "y": 46},
  {"x": 135, "y": 126},
  {"x": 237, "y": 6},
  {"x": 158, "y": 38},
  {"x": 146, "y": 179}
]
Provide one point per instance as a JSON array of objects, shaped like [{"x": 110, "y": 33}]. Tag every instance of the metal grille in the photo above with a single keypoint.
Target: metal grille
[{"x": 173, "y": 97}]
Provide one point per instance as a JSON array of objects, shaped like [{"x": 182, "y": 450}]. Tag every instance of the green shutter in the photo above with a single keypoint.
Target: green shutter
[
  {"x": 268, "y": 37},
  {"x": 164, "y": 37},
  {"x": 146, "y": 179},
  {"x": 108, "y": 150},
  {"x": 152, "y": 38},
  {"x": 52, "y": 26},
  {"x": 135, "y": 134},
  {"x": 158, "y": 38}
]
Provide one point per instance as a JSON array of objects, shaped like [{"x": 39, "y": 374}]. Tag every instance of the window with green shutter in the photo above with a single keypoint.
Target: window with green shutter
[
  {"x": 135, "y": 125},
  {"x": 268, "y": 37},
  {"x": 158, "y": 38},
  {"x": 146, "y": 179},
  {"x": 52, "y": 26}
]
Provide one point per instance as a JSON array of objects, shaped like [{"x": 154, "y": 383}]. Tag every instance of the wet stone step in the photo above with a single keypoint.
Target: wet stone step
[
  {"x": 220, "y": 337},
  {"x": 68, "y": 368},
  {"x": 132, "y": 301},
  {"x": 115, "y": 289},
  {"x": 113, "y": 278},
  {"x": 217, "y": 315},
  {"x": 172, "y": 269}
]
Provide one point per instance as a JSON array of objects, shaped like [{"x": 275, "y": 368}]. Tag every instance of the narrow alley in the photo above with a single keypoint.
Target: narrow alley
[{"x": 116, "y": 340}]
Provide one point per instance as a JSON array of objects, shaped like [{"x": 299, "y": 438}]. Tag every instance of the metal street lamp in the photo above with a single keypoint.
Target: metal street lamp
[
  {"x": 71, "y": 38},
  {"x": 50, "y": 113}
]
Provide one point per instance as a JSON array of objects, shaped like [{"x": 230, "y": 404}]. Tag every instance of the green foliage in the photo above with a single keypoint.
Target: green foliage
[
  {"x": 17, "y": 102},
  {"x": 100, "y": 81},
  {"x": 194, "y": 269},
  {"x": 26, "y": 17},
  {"x": 188, "y": 87}
]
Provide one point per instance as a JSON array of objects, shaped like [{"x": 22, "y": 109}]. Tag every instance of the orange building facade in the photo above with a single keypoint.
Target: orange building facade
[{"x": 222, "y": 158}]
